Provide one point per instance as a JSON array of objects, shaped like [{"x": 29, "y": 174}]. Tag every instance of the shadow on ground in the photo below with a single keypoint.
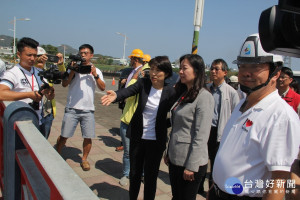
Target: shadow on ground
[
  {"x": 164, "y": 176},
  {"x": 71, "y": 153},
  {"x": 114, "y": 131},
  {"x": 109, "y": 141},
  {"x": 110, "y": 166},
  {"x": 113, "y": 193}
]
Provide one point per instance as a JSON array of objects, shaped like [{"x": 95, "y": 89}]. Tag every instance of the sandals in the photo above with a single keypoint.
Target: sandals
[{"x": 85, "y": 165}]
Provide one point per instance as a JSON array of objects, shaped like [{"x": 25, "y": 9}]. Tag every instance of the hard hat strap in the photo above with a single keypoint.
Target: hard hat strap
[{"x": 248, "y": 90}]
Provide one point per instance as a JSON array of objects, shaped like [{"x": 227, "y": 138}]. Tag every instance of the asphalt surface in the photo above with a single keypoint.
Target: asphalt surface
[
  {"x": 107, "y": 116},
  {"x": 106, "y": 164}
]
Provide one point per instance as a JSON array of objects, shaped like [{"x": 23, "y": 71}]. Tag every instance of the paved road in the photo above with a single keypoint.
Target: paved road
[
  {"x": 106, "y": 163},
  {"x": 107, "y": 116}
]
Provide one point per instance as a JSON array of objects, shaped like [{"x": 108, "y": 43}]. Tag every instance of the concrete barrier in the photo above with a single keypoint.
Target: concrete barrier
[{"x": 32, "y": 167}]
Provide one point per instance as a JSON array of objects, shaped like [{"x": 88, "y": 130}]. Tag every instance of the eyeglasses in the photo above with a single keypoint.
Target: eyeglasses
[
  {"x": 84, "y": 53},
  {"x": 283, "y": 77},
  {"x": 214, "y": 68}
]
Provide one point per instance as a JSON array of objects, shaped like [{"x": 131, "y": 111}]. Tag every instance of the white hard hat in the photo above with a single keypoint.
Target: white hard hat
[
  {"x": 41, "y": 51},
  {"x": 233, "y": 79},
  {"x": 253, "y": 53}
]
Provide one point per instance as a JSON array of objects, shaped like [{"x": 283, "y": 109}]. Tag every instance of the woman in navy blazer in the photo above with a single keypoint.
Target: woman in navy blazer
[
  {"x": 148, "y": 127},
  {"x": 187, "y": 154}
]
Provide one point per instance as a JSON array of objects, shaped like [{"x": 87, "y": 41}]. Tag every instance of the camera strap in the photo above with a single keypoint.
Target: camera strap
[{"x": 32, "y": 80}]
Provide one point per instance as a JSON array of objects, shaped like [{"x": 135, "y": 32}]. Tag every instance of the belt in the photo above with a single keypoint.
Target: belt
[{"x": 226, "y": 196}]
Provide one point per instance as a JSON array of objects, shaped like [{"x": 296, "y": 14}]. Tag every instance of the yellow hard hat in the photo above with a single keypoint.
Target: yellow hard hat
[
  {"x": 146, "y": 58},
  {"x": 136, "y": 53}
]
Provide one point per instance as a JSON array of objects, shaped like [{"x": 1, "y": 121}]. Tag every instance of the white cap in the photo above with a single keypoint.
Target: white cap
[
  {"x": 41, "y": 51},
  {"x": 233, "y": 79}
]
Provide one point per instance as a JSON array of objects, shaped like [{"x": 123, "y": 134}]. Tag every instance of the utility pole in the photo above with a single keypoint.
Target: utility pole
[
  {"x": 14, "y": 30},
  {"x": 125, "y": 38},
  {"x": 198, "y": 16}
]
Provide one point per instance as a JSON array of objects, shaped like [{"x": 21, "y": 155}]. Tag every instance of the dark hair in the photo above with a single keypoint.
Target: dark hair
[
  {"x": 223, "y": 62},
  {"x": 198, "y": 65},
  {"x": 27, "y": 42},
  {"x": 84, "y": 46},
  {"x": 274, "y": 68},
  {"x": 163, "y": 63},
  {"x": 139, "y": 60},
  {"x": 287, "y": 71},
  {"x": 295, "y": 85}
]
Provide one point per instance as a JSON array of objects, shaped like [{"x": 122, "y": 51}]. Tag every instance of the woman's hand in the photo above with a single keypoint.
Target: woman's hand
[
  {"x": 188, "y": 175},
  {"x": 110, "y": 97}
]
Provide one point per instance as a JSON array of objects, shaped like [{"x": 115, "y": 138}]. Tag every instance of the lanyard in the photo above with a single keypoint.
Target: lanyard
[
  {"x": 178, "y": 102},
  {"x": 32, "y": 80}
]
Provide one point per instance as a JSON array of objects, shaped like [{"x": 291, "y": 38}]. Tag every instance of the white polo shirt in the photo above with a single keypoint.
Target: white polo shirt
[
  {"x": 82, "y": 90},
  {"x": 263, "y": 139},
  {"x": 19, "y": 79}
]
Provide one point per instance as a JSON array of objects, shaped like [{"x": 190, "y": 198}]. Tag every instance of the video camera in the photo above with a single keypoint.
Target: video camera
[
  {"x": 79, "y": 67},
  {"x": 52, "y": 74},
  {"x": 279, "y": 28}
]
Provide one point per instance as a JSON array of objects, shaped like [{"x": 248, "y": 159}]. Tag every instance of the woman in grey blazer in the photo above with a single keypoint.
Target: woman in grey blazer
[{"x": 191, "y": 115}]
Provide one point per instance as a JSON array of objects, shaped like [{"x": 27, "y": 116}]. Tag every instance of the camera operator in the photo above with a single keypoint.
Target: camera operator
[
  {"x": 60, "y": 63},
  {"x": 80, "y": 104},
  {"x": 49, "y": 106},
  {"x": 22, "y": 82}
]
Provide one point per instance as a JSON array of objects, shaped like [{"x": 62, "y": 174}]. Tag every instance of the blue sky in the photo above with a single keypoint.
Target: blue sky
[{"x": 158, "y": 27}]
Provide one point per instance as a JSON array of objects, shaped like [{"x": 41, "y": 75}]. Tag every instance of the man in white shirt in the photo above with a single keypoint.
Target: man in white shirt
[
  {"x": 22, "y": 82},
  {"x": 80, "y": 104},
  {"x": 260, "y": 141}
]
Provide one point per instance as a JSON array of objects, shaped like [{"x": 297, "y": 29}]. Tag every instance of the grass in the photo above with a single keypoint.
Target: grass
[{"x": 109, "y": 68}]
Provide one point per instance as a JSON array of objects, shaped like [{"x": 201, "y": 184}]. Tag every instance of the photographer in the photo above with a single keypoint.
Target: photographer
[
  {"x": 80, "y": 103},
  {"x": 49, "y": 106},
  {"x": 22, "y": 82},
  {"x": 60, "y": 63}
]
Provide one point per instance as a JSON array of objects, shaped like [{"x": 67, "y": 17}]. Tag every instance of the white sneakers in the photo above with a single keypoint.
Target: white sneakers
[{"x": 124, "y": 181}]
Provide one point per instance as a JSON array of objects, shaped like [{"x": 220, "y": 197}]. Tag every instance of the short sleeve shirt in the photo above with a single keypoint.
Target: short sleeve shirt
[
  {"x": 19, "y": 79},
  {"x": 82, "y": 91},
  {"x": 263, "y": 139}
]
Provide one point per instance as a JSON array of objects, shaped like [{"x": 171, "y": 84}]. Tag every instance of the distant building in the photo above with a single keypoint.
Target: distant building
[
  {"x": 6, "y": 51},
  {"x": 119, "y": 61}
]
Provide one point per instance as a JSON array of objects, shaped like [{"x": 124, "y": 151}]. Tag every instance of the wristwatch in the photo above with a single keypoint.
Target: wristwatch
[{"x": 96, "y": 77}]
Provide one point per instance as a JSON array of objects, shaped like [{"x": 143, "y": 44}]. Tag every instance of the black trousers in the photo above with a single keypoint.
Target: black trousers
[
  {"x": 213, "y": 147},
  {"x": 145, "y": 156},
  {"x": 182, "y": 189}
]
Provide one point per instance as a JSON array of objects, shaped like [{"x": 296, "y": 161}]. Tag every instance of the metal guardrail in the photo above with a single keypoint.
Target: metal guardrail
[{"x": 30, "y": 167}]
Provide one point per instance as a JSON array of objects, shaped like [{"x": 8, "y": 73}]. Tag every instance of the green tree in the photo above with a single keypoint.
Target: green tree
[
  {"x": 110, "y": 61},
  {"x": 50, "y": 49}
]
